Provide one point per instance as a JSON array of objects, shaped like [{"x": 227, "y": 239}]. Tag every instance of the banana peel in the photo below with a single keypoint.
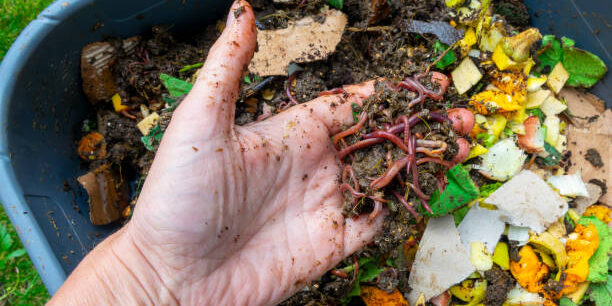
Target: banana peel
[{"x": 547, "y": 243}]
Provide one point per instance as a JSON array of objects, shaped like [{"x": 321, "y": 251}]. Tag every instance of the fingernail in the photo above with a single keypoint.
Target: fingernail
[{"x": 232, "y": 14}]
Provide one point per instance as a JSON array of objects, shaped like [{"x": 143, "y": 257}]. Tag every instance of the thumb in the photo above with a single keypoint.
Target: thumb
[{"x": 211, "y": 103}]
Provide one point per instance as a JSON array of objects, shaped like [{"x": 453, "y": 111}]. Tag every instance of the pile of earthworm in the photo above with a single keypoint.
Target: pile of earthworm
[{"x": 399, "y": 134}]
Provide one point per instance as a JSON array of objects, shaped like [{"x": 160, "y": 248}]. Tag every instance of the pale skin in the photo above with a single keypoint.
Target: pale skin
[{"x": 231, "y": 215}]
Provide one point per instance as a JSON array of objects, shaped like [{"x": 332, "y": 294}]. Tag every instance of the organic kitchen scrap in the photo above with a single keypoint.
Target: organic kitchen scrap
[{"x": 480, "y": 141}]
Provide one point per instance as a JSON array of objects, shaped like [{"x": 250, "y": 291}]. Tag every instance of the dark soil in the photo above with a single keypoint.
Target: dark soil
[
  {"x": 593, "y": 157},
  {"x": 387, "y": 51},
  {"x": 514, "y": 11},
  {"x": 499, "y": 282}
]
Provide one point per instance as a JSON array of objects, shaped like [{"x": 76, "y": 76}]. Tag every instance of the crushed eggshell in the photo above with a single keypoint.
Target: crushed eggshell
[
  {"x": 434, "y": 271},
  {"x": 481, "y": 225},
  {"x": 149, "y": 122},
  {"x": 306, "y": 40},
  {"x": 569, "y": 185},
  {"x": 528, "y": 201},
  {"x": 519, "y": 234}
]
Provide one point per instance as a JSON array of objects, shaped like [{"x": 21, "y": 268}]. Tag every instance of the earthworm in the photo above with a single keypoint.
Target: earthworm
[
  {"x": 363, "y": 117},
  {"x": 419, "y": 192},
  {"x": 435, "y": 160},
  {"x": 416, "y": 118},
  {"x": 356, "y": 194},
  {"x": 407, "y": 205},
  {"x": 359, "y": 145},
  {"x": 339, "y": 273},
  {"x": 376, "y": 211},
  {"x": 391, "y": 172},
  {"x": 349, "y": 172},
  {"x": 330, "y": 92},
  {"x": 428, "y": 152},
  {"x": 388, "y": 136},
  {"x": 288, "y": 88},
  {"x": 415, "y": 175}
]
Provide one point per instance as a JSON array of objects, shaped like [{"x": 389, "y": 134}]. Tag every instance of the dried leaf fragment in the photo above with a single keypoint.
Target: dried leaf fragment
[{"x": 306, "y": 40}]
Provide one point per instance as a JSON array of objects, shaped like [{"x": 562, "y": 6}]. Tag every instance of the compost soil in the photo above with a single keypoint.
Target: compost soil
[{"x": 361, "y": 55}]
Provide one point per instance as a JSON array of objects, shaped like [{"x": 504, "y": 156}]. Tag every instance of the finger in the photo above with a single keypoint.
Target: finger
[
  {"x": 335, "y": 111},
  {"x": 211, "y": 102},
  {"x": 358, "y": 233}
]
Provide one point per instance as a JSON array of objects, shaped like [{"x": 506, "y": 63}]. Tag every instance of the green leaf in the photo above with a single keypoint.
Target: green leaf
[
  {"x": 247, "y": 80},
  {"x": 601, "y": 294},
  {"x": 6, "y": 242},
  {"x": 16, "y": 253},
  {"x": 448, "y": 59},
  {"x": 567, "y": 42},
  {"x": 460, "y": 191},
  {"x": 536, "y": 112},
  {"x": 336, "y": 3},
  {"x": 598, "y": 263},
  {"x": 585, "y": 68},
  {"x": 460, "y": 213},
  {"x": 154, "y": 138},
  {"x": 369, "y": 272},
  {"x": 553, "y": 158},
  {"x": 566, "y": 302},
  {"x": 488, "y": 140},
  {"x": 176, "y": 87},
  {"x": 487, "y": 190},
  {"x": 551, "y": 52}
]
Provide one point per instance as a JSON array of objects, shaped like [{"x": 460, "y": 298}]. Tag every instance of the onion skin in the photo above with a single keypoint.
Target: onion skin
[
  {"x": 442, "y": 299},
  {"x": 528, "y": 142},
  {"x": 462, "y": 119},
  {"x": 463, "y": 152}
]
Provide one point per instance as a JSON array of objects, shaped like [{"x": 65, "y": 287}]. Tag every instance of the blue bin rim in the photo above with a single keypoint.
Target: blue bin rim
[{"x": 12, "y": 197}]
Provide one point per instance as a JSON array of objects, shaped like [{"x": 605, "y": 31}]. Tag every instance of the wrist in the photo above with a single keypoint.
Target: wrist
[{"x": 115, "y": 272}]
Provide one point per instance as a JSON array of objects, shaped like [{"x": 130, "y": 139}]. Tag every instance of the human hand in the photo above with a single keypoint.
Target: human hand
[{"x": 240, "y": 214}]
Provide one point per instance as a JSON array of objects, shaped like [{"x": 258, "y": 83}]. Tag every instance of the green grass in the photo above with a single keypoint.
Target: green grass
[
  {"x": 19, "y": 281},
  {"x": 14, "y": 16}
]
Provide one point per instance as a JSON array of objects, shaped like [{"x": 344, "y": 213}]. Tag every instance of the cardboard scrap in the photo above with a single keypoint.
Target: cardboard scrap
[
  {"x": 304, "y": 41},
  {"x": 441, "y": 261},
  {"x": 108, "y": 194},
  {"x": 591, "y": 129},
  {"x": 527, "y": 200},
  {"x": 96, "y": 63}
]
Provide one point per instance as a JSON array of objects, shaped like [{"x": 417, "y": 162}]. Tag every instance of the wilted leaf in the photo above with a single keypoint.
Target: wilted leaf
[
  {"x": 336, "y": 3},
  {"x": 448, "y": 59}
]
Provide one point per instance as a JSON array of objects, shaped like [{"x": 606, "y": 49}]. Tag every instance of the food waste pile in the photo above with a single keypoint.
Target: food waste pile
[{"x": 481, "y": 141}]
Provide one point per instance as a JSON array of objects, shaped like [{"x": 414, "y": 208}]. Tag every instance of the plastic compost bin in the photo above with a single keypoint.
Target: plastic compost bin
[{"x": 42, "y": 107}]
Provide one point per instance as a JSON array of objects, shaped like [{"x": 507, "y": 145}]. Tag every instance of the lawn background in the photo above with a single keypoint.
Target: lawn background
[{"x": 19, "y": 281}]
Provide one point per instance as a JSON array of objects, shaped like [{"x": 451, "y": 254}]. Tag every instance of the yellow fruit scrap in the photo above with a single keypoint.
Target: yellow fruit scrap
[
  {"x": 549, "y": 244},
  {"x": 373, "y": 296},
  {"x": 598, "y": 211},
  {"x": 529, "y": 270},
  {"x": 117, "y": 104},
  {"x": 501, "y": 255},
  {"x": 504, "y": 62},
  {"x": 491, "y": 101},
  {"x": 580, "y": 246},
  {"x": 517, "y": 46},
  {"x": 512, "y": 83},
  {"x": 469, "y": 39},
  {"x": 477, "y": 150}
]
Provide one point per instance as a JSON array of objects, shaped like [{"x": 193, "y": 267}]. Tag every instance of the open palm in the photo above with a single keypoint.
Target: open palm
[{"x": 246, "y": 215}]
